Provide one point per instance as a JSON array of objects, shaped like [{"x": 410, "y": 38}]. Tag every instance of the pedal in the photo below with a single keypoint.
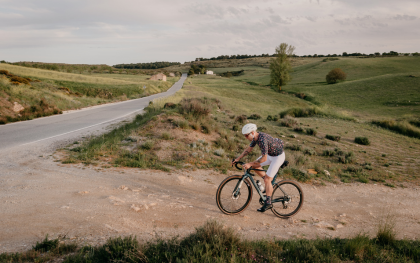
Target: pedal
[{"x": 284, "y": 164}]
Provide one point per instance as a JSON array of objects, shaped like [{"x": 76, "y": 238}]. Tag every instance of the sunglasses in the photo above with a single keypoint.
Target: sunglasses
[{"x": 246, "y": 135}]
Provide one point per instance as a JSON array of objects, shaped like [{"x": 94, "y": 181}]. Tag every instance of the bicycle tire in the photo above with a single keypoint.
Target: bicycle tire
[
  {"x": 230, "y": 204},
  {"x": 288, "y": 204}
]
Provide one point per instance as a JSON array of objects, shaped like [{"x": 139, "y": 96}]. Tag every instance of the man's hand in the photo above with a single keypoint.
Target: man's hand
[
  {"x": 247, "y": 166},
  {"x": 234, "y": 161}
]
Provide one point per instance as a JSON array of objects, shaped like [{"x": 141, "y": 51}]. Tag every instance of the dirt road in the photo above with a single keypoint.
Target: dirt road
[{"x": 39, "y": 196}]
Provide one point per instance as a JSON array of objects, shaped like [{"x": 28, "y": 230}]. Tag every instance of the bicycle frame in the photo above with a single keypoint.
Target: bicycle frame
[{"x": 250, "y": 176}]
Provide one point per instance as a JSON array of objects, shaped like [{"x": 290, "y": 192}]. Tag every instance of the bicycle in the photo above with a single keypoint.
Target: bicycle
[{"x": 232, "y": 198}]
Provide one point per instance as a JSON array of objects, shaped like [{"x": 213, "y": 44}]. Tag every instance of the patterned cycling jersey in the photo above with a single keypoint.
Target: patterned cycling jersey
[{"x": 268, "y": 145}]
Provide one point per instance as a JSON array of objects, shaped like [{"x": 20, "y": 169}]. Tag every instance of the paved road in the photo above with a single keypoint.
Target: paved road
[{"x": 20, "y": 133}]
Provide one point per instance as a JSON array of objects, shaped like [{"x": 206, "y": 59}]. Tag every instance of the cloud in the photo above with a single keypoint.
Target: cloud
[
  {"x": 93, "y": 31},
  {"x": 404, "y": 17}
]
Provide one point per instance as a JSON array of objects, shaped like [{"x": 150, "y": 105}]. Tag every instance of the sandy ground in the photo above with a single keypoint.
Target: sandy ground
[{"x": 39, "y": 196}]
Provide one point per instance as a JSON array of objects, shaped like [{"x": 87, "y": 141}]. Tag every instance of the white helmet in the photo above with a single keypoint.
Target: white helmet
[{"x": 250, "y": 127}]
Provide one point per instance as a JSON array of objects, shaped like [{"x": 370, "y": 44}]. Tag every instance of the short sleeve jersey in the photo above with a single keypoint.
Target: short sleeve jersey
[{"x": 268, "y": 145}]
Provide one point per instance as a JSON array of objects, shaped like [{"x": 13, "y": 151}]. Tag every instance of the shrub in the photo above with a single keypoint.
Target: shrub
[
  {"x": 183, "y": 124},
  {"x": 241, "y": 119},
  {"x": 328, "y": 152},
  {"x": 362, "y": 140},
  {"x": 288, "y": 122},
  {"x": 311, "y": 131},
  {"x": 347, "y": 158},
  {"x": 235, "y": 128},
  {"x": 294, "y": 147},
  {"x": 206, "y": 128},
  {"x": 195, "y": 107},
  {"x": 46, "y": 245},
  {"x": 269, "y": 118},
  {"x": 298, "y": 129},
  {"x": 166, "y": 136},
  {"x": 403, "y": 128},
  {"x": 299, "y": 112},
  {"x": 335, "y": 75},
  {"x": 300, "y": 176},
  {"x": 147, "y": 145},
  {"x": 333, "y": 137},
  {"x": 169, "y": 105},
  {"x": 219, "y": 152},
  {"x": 309, "y": 151},
  {"x": 386, "y": 233},
  {"x": 254, "y": 117}
]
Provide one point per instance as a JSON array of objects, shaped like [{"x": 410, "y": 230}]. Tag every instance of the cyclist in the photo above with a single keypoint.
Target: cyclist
[{"x": 271, "y": 154}]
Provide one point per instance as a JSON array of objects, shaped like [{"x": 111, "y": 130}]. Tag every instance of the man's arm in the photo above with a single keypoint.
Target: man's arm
[
  {"x": 245, "y": 153},
  {"x": 260, "y": 161}
]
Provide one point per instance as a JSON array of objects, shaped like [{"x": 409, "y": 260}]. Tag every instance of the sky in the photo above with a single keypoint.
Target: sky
[{"x": 134, "y": 31}]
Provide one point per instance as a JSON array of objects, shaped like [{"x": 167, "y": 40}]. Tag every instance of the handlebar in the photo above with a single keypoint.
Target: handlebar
[{"x": 242, "y": 163}]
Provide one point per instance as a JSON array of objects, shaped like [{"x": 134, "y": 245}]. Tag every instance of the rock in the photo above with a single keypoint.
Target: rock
[
  {"x": 65, "y": 207},
  {"x": 343, "y": 215},
  {"x": 327, "y": 173},
  {"x": 123, "y": 187},
  {"x": 83, "y": 192},
  {"x": 17, "y": 107},
  {"x": 339, "y": 226},
  {"x": 324, "y": 225},
  {"x": 135, "y": 208}
]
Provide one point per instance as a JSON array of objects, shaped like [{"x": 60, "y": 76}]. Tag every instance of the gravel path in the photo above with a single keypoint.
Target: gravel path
[{"x": 39, "y": 196}]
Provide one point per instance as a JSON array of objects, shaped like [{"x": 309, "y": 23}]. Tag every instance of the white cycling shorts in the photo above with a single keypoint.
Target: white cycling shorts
[{"x": 275, "y": 162}]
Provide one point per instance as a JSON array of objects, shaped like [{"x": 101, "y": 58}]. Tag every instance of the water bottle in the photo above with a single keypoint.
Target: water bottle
[{"x": 260, "y": 185}]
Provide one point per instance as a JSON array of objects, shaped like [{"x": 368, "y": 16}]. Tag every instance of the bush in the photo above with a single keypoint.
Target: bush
[
  {"x": 347, "y": 158},
  {"x": 311, "y": 131},
  {"x": 294, "y": 147},
  {"x": 195, "y": 107},
  {"x": 335, "y": 75},
  {"x": 362, "y": 140},
  {"x": 328, "y": 152},
  {"x": 169, "y": 105},
  {"x": 299, "y": 112},
  {"x": 298, "y": 129},
  {"x": 288, "y": 122},
  {"x": 241, "y": 119},
  {"x": 309, "y": 151},
  {"x": 254, "y": 117},
  {"x": 333, "y": 137},
  {"x": 403, "y": 127}
]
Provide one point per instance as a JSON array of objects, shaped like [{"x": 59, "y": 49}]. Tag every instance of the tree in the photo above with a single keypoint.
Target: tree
[
  {"x": 335, "y": 75},
  {"x": 280, "y": 65}
]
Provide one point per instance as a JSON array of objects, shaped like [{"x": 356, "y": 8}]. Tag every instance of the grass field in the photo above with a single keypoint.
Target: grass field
[
  {"x": 344, "y": 112},
  {"x": 65, "y": 91}
]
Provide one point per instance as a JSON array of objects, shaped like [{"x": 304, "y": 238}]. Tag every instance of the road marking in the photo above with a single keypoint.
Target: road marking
[{"x": 83, "y": 128}]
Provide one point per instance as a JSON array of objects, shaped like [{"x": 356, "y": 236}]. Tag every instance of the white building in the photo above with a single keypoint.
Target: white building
[{"x": 209, "y": 72}]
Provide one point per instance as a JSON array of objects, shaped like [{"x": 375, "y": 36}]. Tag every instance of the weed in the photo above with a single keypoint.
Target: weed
[
  {"x": 335, "y": 138},
  {"x": 147, "y": 145},
  {"x": 298, "y": 129},
  {"x": 219, "y": 152},
  {"x": 386, "y": 233},
  {"x": 300, "y": 112},
  {"x": 311, "y": 131},
  {"x": 328, "y": 152},
  {"x": 390, "y": 185},
  {"x": 254, "y": 117},
  {"x": 46, "y": 245},
  {"x": 241, "y": 119},
  {"x": 166, "y": 136},
  {"x": 362, "y": 140},
  {"x": 402, "y": 127},
  {"x": 294, "y": 147},
  {"x": 309, "y": 151},
  {"x": 288, "y": 122}
]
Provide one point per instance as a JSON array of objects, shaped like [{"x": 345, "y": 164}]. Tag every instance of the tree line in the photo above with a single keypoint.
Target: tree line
[
  {"x": 344, "y": 54},
  {"x": 150, "y": 65}
]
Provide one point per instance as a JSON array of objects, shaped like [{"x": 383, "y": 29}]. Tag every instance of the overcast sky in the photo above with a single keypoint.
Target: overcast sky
[{"x": 132, "y": 31}]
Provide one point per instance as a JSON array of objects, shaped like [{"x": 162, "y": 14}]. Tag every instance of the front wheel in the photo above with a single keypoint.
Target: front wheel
[
  {"x": 232, "y": 196},
  {"x": 287, "y": 199}
]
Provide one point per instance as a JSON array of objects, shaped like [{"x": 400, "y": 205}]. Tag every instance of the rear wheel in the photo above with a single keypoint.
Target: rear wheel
[
  {"x": 229, "y": 199},
  {"x": 287, "y": 199}
]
